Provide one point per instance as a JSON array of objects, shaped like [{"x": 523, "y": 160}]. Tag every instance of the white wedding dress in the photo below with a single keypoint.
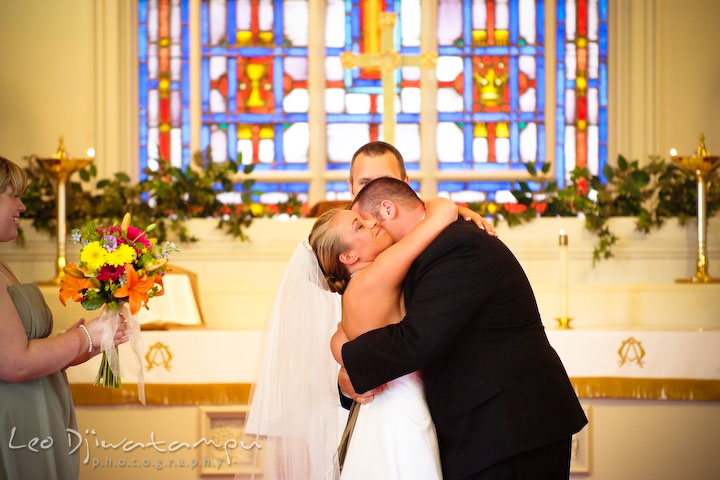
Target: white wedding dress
[
  {"x": 394, "y": 436},
  {"x": 294, "y": 409}
]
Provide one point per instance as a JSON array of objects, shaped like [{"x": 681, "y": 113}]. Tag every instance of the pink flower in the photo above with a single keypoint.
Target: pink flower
[{"x": 136, "y": 235}]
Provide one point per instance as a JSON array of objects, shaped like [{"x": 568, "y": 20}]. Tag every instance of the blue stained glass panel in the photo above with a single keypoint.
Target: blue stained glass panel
[
  {"x": 581, "y": 119},
  {"x": 163, "y": 83},
  {"x": 490, "y": 74},
  {"x": 254, "y": 84}
]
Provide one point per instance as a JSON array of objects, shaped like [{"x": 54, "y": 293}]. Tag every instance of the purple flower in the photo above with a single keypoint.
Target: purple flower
[{"x": 110, "y": 243}]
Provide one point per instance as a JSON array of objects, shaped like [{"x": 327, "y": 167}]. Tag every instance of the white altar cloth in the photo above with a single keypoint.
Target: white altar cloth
[
  {"x": 601, "y": 363},
  {"x": 198, "y": 357},
  {"x": 664, "y": 354}
]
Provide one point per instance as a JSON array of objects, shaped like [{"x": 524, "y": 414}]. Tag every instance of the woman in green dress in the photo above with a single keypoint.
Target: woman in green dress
[{"x": 36, "y": 407}]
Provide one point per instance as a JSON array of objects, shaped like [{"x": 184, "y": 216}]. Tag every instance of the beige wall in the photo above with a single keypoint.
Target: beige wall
[
  {"x": 47, "y": 76},
  {"x": 688, "y": 74},
  {"x": 664, "y": 69},
  {"x": 67, "y": 70}
]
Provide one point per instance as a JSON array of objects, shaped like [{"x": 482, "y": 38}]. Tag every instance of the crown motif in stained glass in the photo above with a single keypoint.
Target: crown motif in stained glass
[{"x": 490, "y": 87}]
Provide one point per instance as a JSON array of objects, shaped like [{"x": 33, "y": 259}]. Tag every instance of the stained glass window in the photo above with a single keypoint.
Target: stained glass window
[
  {"x": 353, "y": 98},
  {"x": 490, "y": 91},
  {"x": 254, "y": 91},
  {"x": 582, "y": 86},
  {"x": 163, "y": 82},
  {"x": 490, "y": 96}
]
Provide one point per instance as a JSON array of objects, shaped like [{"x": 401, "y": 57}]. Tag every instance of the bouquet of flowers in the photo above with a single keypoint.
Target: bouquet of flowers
[{"x": 120, "y": 269}]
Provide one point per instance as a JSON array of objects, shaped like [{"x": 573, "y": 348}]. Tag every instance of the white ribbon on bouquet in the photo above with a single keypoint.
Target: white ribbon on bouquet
[{"x": 135, "y": 339}]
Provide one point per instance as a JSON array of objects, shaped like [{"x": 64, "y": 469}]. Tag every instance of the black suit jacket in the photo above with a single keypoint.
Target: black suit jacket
[{"x": 494, "y": 385}]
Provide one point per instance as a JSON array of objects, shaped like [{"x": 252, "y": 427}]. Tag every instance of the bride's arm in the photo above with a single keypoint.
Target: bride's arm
[
  {"x": 338, "y": 339},
  {"x": 390, "y": 267}
]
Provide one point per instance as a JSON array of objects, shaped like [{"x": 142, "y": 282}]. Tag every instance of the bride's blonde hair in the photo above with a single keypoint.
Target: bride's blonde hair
[{"x": 327, "y": 244}]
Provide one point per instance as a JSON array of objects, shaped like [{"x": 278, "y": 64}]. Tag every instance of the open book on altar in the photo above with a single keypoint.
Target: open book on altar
[{"x": 179, "y": 306}]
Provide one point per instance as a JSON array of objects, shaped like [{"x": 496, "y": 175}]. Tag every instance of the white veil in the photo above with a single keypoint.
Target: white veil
[{"x": 294, "y": 407}]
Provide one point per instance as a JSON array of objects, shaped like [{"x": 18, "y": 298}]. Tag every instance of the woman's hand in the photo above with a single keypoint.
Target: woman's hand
[
  {"x": 96, "y": 328},
  {"x": 481, "y": 222}
]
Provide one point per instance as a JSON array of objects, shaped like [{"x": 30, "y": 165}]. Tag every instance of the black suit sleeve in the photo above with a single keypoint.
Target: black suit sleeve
[{"x": 438, "y": 308}]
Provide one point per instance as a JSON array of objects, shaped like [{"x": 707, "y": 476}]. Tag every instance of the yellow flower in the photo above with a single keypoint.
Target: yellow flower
[
  {"x": 93, "y": 255},
  {"x": 122, "y": 255},
  {"x": 256, "y": 209}
]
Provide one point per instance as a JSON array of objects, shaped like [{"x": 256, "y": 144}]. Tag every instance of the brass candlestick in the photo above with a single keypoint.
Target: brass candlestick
[
  {"x": 701, "y": 164},
  {"x": 59, "y": 167}
]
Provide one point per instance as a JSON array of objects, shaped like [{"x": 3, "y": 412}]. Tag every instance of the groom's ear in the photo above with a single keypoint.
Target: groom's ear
[
  {"x": 347, "y": 258},
  {"x": 388, "y": 210}
]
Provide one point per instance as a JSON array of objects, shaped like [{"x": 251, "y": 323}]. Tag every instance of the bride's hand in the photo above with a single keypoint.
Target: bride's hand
[
  {"x": 477, "y": 219},
  {"x": 349, "y": 391}
]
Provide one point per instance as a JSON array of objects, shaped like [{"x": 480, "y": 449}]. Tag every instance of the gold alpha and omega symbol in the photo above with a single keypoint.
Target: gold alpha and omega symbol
[
  {"x": 631, "y": 351},
  {"x": 158, "y": 355}
]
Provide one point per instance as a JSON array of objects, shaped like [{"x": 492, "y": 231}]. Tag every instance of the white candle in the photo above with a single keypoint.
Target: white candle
[{"x": 563, "y": 242}]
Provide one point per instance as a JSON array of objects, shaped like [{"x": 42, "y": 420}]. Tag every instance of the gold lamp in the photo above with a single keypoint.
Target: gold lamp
[
  {"x": 59, "y": 167},
  {"x": 701, "y": 164}
]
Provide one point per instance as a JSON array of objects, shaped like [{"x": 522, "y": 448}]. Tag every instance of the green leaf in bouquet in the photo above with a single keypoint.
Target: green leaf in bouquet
[{"x": 93, "y": 302}]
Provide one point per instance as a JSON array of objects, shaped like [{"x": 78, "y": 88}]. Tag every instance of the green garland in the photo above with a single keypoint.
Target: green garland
[
  {"x": 651, "y": 193},
  {"x": 170, "y": 196}
]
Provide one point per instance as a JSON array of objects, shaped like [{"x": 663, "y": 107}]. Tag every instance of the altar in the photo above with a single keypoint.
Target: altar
[{"x": 199, "y": 367}]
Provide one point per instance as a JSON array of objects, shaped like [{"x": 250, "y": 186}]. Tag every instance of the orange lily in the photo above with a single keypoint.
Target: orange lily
[
  {"x": 135, "y": 289},
  {"x": 72, "y": 287},
  {"x": 159, "y": 281}
]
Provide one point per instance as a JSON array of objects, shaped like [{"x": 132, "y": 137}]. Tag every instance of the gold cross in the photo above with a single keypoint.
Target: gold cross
[{"x": 388, "y": 60}]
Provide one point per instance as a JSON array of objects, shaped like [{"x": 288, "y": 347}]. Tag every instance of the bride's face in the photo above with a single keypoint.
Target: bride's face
[{"x": 364, "y": 237}]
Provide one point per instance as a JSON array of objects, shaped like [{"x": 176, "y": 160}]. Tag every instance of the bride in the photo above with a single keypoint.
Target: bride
[{"x": 394, "y": 437}]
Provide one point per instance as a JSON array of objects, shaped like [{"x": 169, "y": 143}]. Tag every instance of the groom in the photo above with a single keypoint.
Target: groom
[{"x": 501, "y": 400}]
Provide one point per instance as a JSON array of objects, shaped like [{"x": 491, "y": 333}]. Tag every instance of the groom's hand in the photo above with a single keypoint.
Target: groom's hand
[{"x": 347, "y": 388}]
